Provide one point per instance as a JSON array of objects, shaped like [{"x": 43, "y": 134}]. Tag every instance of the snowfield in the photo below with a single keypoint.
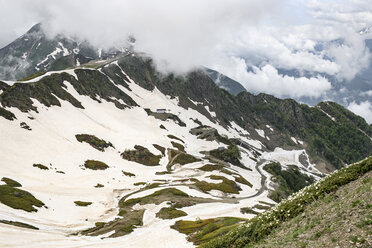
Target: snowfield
[{"x": 52, "y": 142}]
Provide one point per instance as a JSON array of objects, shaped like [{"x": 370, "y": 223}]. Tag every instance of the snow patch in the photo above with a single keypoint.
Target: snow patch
[{"x": 260, "y": 132}]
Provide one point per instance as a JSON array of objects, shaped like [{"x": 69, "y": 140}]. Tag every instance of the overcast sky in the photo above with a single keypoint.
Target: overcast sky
[{"x": 248, "y": 40}]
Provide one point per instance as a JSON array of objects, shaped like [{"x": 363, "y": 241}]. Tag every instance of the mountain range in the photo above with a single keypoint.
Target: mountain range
[{"x": 99, "y": 148}]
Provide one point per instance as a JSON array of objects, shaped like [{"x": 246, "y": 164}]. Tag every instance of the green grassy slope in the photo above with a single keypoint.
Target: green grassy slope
[{"x": 280, "y": 224}]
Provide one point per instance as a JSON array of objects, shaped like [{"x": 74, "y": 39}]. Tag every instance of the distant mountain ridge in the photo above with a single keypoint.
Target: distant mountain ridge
[{"x": 332, "y": 133}]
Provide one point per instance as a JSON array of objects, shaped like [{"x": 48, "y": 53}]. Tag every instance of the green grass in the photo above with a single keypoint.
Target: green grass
[
  {"x": 19, "y": 199},
  {"x": 247, "y": 210},
  {"x": 95, "y": 142},
  {"x": 170, "y": 213},
  {"x": 179, "y": 147},
  {"x": 160, "y": 148},
  {"x": 141, "y": 155},
  {"x": 185, "y": 158},
  {"x": 230, "y": 155},
  {"x": 154, "y": 197},
  {"x": 242, "y": 180},
  {"x": 40, "y": 166},
  {"x": 82, "y": 203},
  {"x": 95, "y": 165},
  {"x": 200, "y": 231},
  {"x": 289, "y": 181},
  {"x": 19, "y": 224},
  {"x": 128, "y": 174},
  {"x": 11, "y": 182},
  {"x": 226, "y": 186},
  {"x": 38, "y": 74},
  {"x": 259, "y": 227},
  {"x": 211, "y": 167},
  {"x": 139, "y": 183}
]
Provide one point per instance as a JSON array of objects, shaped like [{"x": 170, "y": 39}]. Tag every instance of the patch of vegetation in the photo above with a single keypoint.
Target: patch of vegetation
[
  {"x": 95, "y": 165},
  {"x": 210, "y": 134},
  {"x": 211, "y": 167},
  {"x": 261, "y": 207},
  {"x": 121, "y": 226},
  {"x": 230, "y": 155},
  {"x": 176, "y": 138},
  {"x": 60, "y": 172},
  {"x": 166, "y": 116},
  {"x": 248, "y": 210},
  {"x": 226, "y": 186},
  {"x": 139, "y": 183},
  {"x": 259, "y": 227},
  {"x": 11, "y": 182},
  {"x": 35, "y": 75},
  {"x": 170, "y": 213},
  {"x": 180, "y": 147},
  {"x": 51, "y": 88},
  {"x": 19, "y": 199},
  {"x": 266, "y": 203},
  {"x": 201, "y": 231},
  {"x": 98, "y": 185},
  {"x": 152, "y": 186},
  {"x": 130, "y": 219},
  {"x": 160, "y": 148},
  {"x": 82, "y": 203},
  {"x": 242, "y": 180},
  {"x": 40, "y": 166},
  {"x": 182, "y": 159},
  {"x": 92, "y": 140},
  {"x": 289, "y": 181},
  {"x": 177, "y": 198},
  {"x": 162, "y": 127},
  {"x": 141, "y": 155},
  {"x": 197, "y": 121},
  {"x": 19, "y": 224},
  {"x": 25, "y": 126},
  {"x": 7, "y": 114},
  {"x": 128, "y": 174}
]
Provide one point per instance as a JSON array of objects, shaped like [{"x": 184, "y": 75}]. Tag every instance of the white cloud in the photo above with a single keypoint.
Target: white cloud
[
  {"x": 367, "y": 93},
  {"x": 178, "y": 34},
  {"x": 181, "y": 35},
  {"x": 363, "y": 109},
  {"x": 268, "y": 80}
]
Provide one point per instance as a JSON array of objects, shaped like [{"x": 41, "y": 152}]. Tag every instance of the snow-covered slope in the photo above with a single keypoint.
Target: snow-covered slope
[{"x": 49, "y": 139}]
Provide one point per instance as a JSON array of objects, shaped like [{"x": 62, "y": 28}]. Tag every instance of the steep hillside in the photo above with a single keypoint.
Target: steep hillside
[
  {"x": 107, "y": 152},
  {"x": 334, "y": 212},
  {"x": 332, "y": 135}
]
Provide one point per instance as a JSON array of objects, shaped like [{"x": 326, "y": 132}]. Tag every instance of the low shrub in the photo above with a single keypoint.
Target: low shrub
[
  {"x": 170, "y": 213},
  {"x": 92, "y": 140},
  {"x": 40, "y": 166},
  {"x": 141, "y": 155},
  {"x": 19, "y": 199},
  {"x": 180, "y": 147},
  {"x": 82, "y": 203},
  {"x": 11, "y": 182},
  {"x": 95, "y": 165}
]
